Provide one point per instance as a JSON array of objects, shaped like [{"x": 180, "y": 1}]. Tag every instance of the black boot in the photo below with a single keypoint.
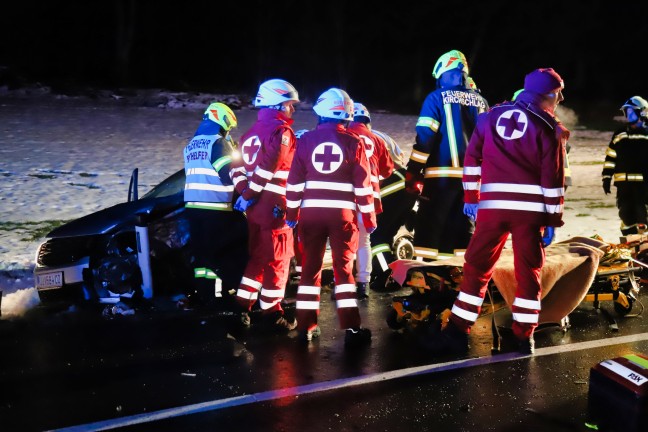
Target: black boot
[
  {"x": 361, "y": 290},
  {"x": 450, "y": 340},
  {"x": 527, "y": 346}
]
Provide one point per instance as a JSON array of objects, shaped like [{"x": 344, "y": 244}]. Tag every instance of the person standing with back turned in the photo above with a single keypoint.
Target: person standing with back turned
[
  {"x": 444, "y": 126},
  {"x": 329, "y": 182},
  {"x": 267, "y": 150},
  {"x": 514, "y": 184}
]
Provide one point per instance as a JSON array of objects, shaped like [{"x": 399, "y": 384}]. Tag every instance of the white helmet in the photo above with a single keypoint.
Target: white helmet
[
  {"x": 274, "y": 92},
  {"x": 334, "y": 103},
  {"x": 360, "y": 110}
]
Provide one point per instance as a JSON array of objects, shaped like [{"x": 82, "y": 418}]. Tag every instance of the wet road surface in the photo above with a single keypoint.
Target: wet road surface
[{"x": 169, "y": 370}]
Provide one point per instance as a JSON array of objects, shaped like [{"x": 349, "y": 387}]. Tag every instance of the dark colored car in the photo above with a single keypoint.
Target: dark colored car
[
  {"x": 99, "y": 257},
  {"x": 102, "y": 257}
]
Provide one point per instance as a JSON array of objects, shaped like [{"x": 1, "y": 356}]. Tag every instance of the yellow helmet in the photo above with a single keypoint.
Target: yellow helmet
[
  {"x": 454, "y": 59},
  {"x": 222, "y": 115}
]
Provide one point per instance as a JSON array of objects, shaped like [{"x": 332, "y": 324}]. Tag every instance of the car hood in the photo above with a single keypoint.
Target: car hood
[{"x": 117, "y": 216}]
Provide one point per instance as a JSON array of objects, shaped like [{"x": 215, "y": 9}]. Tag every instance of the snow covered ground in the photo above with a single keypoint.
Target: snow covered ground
[{"x": 62, "y": 158}]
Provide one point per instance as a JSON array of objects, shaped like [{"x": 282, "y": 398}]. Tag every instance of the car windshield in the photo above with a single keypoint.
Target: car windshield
[{"x": 170, "y": 186}]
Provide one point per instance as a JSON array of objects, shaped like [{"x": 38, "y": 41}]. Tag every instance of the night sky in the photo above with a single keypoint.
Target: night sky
[{"x": 383, "y": 56}]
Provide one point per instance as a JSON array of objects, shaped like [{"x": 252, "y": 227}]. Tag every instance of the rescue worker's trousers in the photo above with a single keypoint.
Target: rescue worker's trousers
[
  {"x": 217, "y": 251},
  {"x": 631, "y": 200},
  {"x": 266, "y": 273},
  {"x": 343, "y": 238},
  {"x": 441, "y": 230},
  {"x": 363, "y": 255},
  {"x": 483, "y": 252}
]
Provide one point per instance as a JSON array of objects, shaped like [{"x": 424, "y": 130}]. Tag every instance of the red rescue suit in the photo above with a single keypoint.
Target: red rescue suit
[
  {"x": 381, "y": 166},
  {"x": 514, "y": 169},
  {"x": 267, "y": 150},
  {"x": 329, "y": 181}
]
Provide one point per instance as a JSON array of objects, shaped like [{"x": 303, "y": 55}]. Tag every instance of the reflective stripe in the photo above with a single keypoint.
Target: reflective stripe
[
  {"x": 310, "y": 305},
  {"x": 452, "y": 138},
  {"x": 383, "y": 262},
  {"x": 293, "y": 203},
  {"x": 470, "y": 299},
  {"x": 367, "y": 208},
  {"x": 263, "y": 173},
  {"x": 322, "y": 203},
  {"x": 428, "y": 122},
  {"x": 208, "y": 206},
  {"x": 346, "y": 303},
  {"x": 609, "y": 164},
  {"x": 345, "y": 288},
  {"x": 526, "y": 304},
  {"x": 343, "y": 187},
  {"x": 255, "y": 187},
  {"x": 462, "y": 313},
  {"x": 394, "y": 187},
  {"x": 432, "y": 172},
  {"x": 425, "y": 252},
  {"x": 384, "y": 247},
  {"x": 250, "y": 282},
  {"x": 271, "y": 187},
  {"x": 553, "y": 209},
  {"x": 203, "y": 171},
  {"x": 419, "y": 156},
  {"x": 471, "y": 185},
  {"x": 295, "y": 187},
  {"x": 512, "y": 205},
  {"x": 610, "y": 152},
  {"x": 365, "y": 191},
  {"x": 221, "y": 162},
  {"x": 247, "y": 295},
  {"x": 281, "y": 174},
  {"x": 273, "y": 293},
  {"x": 619, "y": 177},
  {"x": 203, "y": 186},
  {"x": 472, "y": 170},
  {"x": 267, "y": 305},
  {"x": 310, "y": 290},
  {"x": 525, "y": 318}
]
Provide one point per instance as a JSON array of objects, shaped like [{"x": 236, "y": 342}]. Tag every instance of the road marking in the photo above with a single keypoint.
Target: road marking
[{"x": 346, "y": 382}]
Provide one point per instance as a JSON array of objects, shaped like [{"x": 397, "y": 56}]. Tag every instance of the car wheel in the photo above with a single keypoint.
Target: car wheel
[{"x": 403, "y": 248}]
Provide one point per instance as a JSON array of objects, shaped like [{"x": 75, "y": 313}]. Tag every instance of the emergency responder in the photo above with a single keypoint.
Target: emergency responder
[
  {"x": 446, "y": 121},
  {"x": 397, "y": 206},
  {"x": 626, "y": 162},
  {"x": 329, "y": 182},
  {"x": 217, "y": 255},
  {"x": 568, "y": 176},
  {"x": 267, "y": 150},
  {"x": 382, "y": 167},
  {"x": 513, "y": 181}
]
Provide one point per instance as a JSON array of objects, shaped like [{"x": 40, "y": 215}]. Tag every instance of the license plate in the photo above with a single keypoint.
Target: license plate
[{"x": 49, "y": 280}]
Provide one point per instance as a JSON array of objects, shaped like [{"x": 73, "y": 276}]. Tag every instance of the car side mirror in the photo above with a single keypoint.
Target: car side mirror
[{"x": 132, "y": 186}]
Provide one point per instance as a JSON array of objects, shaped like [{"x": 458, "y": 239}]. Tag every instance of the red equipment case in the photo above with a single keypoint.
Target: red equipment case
[{"x": 618, "y": 394}]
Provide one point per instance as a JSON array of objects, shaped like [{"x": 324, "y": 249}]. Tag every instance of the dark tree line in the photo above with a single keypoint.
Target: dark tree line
[{"x": 382, "y": 55}]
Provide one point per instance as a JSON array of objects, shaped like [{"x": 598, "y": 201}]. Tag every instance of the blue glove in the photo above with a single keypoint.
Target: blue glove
[
  {"x": 291, "y": 224},
  {"x": 470, "y": 210},
  {"x": 243, "y": 204},
  {"x": 548, "y": 236},
  {"x": 371, "y": 230}
]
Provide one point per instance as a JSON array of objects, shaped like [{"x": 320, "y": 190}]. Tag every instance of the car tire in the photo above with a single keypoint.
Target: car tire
[{"x": 404, "y": 248}]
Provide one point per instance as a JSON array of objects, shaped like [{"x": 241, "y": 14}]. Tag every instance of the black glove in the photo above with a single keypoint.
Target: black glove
[{"x": 606, "y": 185}]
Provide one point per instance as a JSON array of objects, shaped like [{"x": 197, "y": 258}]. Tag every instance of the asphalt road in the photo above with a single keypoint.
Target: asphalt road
[{"x": 167, "y": 370}]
